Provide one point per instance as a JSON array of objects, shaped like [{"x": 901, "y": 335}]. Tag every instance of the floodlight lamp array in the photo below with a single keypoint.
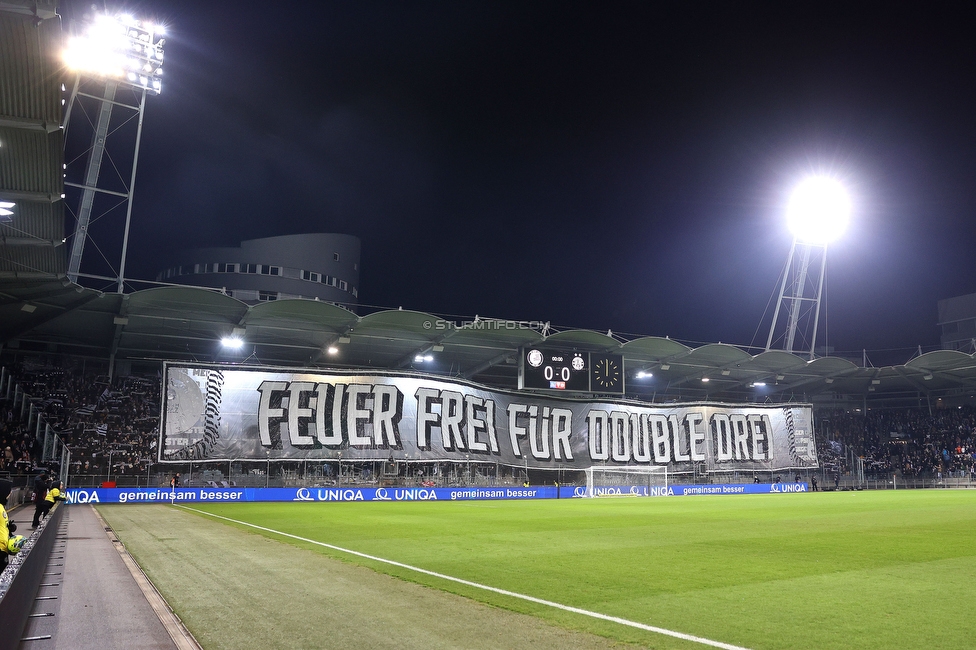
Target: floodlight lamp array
[
  {"x": 121, "y": 48},
  {"x": 232, "y": 342},
  {"x": 819, "y": 210}
]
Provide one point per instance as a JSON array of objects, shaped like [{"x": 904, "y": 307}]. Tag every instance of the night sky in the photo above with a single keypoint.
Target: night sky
[{"x": 601, "y": 165}]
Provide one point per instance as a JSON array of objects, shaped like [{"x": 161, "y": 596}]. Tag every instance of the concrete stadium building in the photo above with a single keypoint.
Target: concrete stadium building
[{"x": 314, "y": 266}]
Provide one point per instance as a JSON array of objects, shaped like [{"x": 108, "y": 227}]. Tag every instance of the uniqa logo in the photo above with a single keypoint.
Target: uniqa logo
[
  {"x": 82, "y": 496},
  {"x": 382, "y": 495},
  {"x": 793, "y": 487},
  {"x": 340, "y": 495},
  {"x": 658, "y": 491},
  {"x": 415, "y": 494},
  {"x": 579, "y": 492},
  {"x": 303, "y": 494}
]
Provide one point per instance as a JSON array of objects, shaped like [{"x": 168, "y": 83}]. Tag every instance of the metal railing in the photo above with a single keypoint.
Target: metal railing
[{"x": 53, "y": 450}]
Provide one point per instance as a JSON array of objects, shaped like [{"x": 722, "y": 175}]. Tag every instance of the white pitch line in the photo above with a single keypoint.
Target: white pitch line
[{"x": 504, "y": 592}]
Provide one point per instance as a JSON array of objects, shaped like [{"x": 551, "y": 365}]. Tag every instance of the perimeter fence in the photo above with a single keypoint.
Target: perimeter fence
[{"x": 248, "y": 473}]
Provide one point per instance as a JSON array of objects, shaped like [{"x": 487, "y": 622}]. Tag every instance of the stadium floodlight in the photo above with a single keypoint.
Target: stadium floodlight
[
  {"x": 120, "y": 48},
  {"x": 818, "y": 211},
  {"x": 333, "y": 350},
  {"x": 114, "y": 51},
  {"x": 817, "y": 214},
  {"x": 232, "y": 342},
  {"x": 5, "y": 208}
]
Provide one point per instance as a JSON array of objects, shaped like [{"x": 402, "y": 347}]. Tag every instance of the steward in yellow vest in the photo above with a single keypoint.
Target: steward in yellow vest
[
  {"x": 7, "y": 527},
  {"x": 54, "y": 494}
]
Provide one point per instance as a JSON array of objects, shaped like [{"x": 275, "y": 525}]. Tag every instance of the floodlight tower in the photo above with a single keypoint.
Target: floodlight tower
[
  {"x": 111, "y": 52},
  {"x": 817, "y": 214}
]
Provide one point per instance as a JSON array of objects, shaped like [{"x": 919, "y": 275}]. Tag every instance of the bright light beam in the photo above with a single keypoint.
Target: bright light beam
[
  {"x": 119, "y": 47},
  {"x": 818, "y": 211}
]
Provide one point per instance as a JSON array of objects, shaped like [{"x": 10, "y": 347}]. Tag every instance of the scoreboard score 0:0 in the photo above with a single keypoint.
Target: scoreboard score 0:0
[{"x": 569, "y": 370}]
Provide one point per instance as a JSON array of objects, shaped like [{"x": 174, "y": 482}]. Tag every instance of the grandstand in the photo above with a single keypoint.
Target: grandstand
[
  {"x": 111, "y": 429},
  {"x": 84, "y": 371},
  {"x": 91, "y": 360}
]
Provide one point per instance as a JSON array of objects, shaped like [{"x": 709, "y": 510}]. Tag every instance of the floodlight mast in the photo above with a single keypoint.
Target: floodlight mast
[
  {"x": 115, "y": 51},
  {"x": 817, "y": 214},
  {"x": 799, "y": 297}
]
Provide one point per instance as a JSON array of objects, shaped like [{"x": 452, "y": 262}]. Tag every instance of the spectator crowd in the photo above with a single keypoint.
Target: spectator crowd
[
  {"x": 111, "y": 428},
  {"x": 909, "y": 442},
  {"x": 16, "y": 442}
]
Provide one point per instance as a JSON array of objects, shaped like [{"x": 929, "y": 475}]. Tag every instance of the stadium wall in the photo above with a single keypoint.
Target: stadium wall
[{"x": 22, "y": 578}]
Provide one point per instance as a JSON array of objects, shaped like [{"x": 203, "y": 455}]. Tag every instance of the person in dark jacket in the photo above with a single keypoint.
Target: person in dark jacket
[{"x": 41, "y": 486}]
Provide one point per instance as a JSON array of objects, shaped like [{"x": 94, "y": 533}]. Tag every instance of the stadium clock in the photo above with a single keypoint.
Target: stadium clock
[{"x": 607, "y": 374}]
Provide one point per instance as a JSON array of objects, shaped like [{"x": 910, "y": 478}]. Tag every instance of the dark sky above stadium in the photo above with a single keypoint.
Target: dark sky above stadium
[{"x": 620, "y": 165}]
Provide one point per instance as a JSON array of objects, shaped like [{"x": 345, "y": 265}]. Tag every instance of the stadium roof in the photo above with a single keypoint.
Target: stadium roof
[
  {"x": 187, "y": 324},
  {"x": 31, "y": 140}
]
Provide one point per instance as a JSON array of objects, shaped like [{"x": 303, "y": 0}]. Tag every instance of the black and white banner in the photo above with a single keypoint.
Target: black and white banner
[{"x": 219, "y": 413}]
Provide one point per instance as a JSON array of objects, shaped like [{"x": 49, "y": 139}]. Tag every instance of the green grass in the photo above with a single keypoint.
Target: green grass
[{"x": 836, "y": 570}]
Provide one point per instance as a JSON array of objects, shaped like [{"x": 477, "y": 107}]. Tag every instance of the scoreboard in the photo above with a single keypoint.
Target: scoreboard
[{"x": 569, "y": 370}]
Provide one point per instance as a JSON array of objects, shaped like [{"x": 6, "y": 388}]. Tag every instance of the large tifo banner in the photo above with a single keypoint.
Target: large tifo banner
[{"x": 221, "y": 413}]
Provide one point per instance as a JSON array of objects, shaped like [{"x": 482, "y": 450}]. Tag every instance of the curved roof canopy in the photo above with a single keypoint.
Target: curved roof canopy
[{"x": 187, "y": 324}]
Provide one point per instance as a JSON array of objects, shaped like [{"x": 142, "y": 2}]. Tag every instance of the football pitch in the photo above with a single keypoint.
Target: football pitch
[{"x": 818, "y": 570}]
